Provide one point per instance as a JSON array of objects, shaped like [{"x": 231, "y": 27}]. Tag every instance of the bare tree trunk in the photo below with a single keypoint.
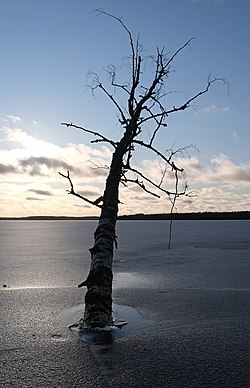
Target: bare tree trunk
[{"x": 98, "y": 299}]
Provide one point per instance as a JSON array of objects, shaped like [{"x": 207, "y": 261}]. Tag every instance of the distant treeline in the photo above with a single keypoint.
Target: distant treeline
[
  {"x": 164, "y": 216},
  {"x": 48, "y": 218},
  {"x": 191, "y": 216}
]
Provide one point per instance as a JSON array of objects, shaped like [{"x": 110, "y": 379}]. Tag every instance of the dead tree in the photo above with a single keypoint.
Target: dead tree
[{"x": 145, "y": 105}]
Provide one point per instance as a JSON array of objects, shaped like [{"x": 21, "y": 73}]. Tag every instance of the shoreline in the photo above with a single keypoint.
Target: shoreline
[{"x": 234, "y": 215}]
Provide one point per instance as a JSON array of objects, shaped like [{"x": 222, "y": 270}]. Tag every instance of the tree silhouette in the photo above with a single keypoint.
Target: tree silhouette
[{"x": 145, "y": 104}]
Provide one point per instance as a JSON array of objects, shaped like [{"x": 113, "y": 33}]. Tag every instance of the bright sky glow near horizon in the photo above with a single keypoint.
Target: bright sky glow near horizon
[{"x": 47, "y": 48}]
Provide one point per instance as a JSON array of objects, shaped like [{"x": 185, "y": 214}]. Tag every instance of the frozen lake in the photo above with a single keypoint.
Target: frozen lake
[
  {"x": 188, "y": 308},
  {"x": 204, "y": 254}
]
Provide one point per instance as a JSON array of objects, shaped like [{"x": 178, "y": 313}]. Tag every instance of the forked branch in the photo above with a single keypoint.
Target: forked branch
[
  {"x": 72, "y": 192},
  {"x": 185, "y": 105},
  {"x": 160, "y": 154}
]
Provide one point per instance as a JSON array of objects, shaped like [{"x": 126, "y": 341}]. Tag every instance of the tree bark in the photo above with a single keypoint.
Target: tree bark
[{"x": 98, "y": 298}]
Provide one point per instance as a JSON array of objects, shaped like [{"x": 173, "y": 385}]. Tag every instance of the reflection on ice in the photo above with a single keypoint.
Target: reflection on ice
[
  {"x": 121, "y": 328},
  {"x": 104, "y": 336},
  {"x": 128, "y": 280}
]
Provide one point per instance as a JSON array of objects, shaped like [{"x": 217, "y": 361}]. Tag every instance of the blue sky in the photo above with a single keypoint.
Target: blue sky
[{"x": 48, "y": 47}]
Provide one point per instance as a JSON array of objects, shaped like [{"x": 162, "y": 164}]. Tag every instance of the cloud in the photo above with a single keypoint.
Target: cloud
[
  {"x": 29, "y": 155},
  {"x": 6, "y": 169},
  {"x": 235, "y": 135},
  {"x": 12, "y": 118},
  {"x": 33, "y": 164},
  {"x": 28, "y": 142},
  {"x": 33, "y": 199},
  {"x": 41, "y": 192},
  {"x": 228, "y": 172},
  {"x": 214, "y": 186},
  {"x": 213, "y": 109},
  {"x": 89, "y": 193},
  {"x": 30, "y": 169},
  {"x": 144, "y": 198},
  {"x": 221, "y": 170},
  {"x": 208, "y": 1}
]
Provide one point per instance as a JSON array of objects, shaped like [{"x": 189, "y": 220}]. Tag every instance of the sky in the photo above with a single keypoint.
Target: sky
[{"x": 47, "y": 50}]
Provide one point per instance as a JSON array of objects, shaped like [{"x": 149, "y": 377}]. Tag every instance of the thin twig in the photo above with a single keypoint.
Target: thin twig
[{"x": 140, "y": 184}]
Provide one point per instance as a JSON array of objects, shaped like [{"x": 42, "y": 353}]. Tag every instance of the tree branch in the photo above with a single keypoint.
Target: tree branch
[
  {"x": 135, "y": 59},
  {"x": 140, "y": 184},
  {"x": 72, "y": 192},
  {"x": 158, "y": 186},
  {"x": 159, "y": 125},
  {"x": 184, "y": 105},
  {"x": 111, "y": 70},
  {"x": 123, "y": 120},
  {"x": 102, "y": 138},
  {"x": 168, "y": 160},
  {"x": 101, "y": 11},
  {"x": 164, "y": 171},
  {"x": 162, "y": 70},
  {"x": 149, "y": 181}
]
